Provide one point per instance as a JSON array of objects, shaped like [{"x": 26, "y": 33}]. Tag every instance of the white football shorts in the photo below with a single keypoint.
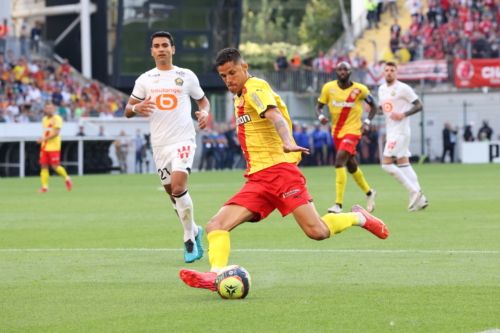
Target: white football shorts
[
  {"x": 175, "y": 157},
  {"x": 397, "y": 145}
]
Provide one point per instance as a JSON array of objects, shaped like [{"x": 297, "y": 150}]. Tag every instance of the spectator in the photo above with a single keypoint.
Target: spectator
[
  {"x": 80, "y": 131},
  {"x": 380, "y": 5},
  {"x": 468, "y": 136},
  {"x": 22, "y": 38},
  {"x": 4, "y": 29},
  {"x": 307, "y": 65},
  {"x": 396, "y": 28},
  {"x": 281, "y": 62},
  {"x": 449, "y": 140},
  {"x": 371, "y": 7},
  {"x": 122, "y": 145},
  {"x": 319, "y": 138},
  {"x": 480, "y": 47},
  {"x": 207, "y": 153},
  {"x": 413, "y": 6},
  {"x": 12, "y": 111},
  {"x": 295, "y": 62},
  {"x": 323, "y": 68},
  {"x": 220, "y": 149},
  {"x": 303, "y": 140},
  {"x": 394, "y": 43},
  {"x": 36, "y": 33},
  {"x": 330, "y": 150},
  {"x": 393, "y": 7},
  {"x": 488, "y": 132},
  {"x": 358, "y": 62},
  {"x": 232, "y": 147},
  {"x": 102, "y": 133},
  {"x": 371, "y": 140},
  {"x": 139, "y": 150},
  {"x": 432, "y": 12}
]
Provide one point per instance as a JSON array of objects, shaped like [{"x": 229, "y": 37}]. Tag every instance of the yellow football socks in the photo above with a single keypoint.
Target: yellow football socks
[
  {"x": 62, "y": 172},
  {"x": 339, "y": 222},
  {"x": 44, "y": 177},
  {"x": 218, "y": 249},
  {"x": 360, "y": 180},
  {"x": 340, "y": 182}
]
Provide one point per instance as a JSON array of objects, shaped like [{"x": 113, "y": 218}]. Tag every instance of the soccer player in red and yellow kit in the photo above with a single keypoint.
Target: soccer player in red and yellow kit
[
  {"x": 50, "y": 150},
  {"x": 345, "y": 102},
  {"x": 273, "y": 179}
]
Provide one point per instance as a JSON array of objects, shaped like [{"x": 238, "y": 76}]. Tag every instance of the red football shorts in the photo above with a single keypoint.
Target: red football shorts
[
  {"x": 50, "y": 157},
  {"x": 348, "y": 143},
  {"x": 282, "y": 186}
]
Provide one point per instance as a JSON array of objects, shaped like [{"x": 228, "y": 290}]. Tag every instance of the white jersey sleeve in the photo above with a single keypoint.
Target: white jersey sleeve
[
  {"x": 195, "y": 90},
  {"x": 408, "y": 94},
  {"x": 139, "y": 91}
]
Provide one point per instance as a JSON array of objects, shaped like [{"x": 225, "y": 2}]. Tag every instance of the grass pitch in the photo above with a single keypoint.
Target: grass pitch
[{"x": 105, "y": 257}]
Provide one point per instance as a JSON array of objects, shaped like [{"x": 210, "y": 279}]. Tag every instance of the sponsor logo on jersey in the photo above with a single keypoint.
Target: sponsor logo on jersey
[
  {"x": 180, "y": 73},
  {"x": 166, "y": 90},
  {"x": 154, "y": 75},
  {"x": 166, "y": 102},
  {"x": 179, "y": 81},
  {"x": 388, "y": 107},
  {"x": 243, "y": 119},
  {"x": 292, "y": 192},
  {"x": 257, "y": 101},
  {"x": 343, "y": 104},
  {"x": 333, "y": 90}
]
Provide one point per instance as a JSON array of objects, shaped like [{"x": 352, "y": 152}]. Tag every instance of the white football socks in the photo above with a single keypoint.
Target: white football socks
[
  {"x": 398, "y": 174},
  {"x": 184, "y": 207},
  {"x": 411, "y": 175},
  {"x": 361, "y": 219}
]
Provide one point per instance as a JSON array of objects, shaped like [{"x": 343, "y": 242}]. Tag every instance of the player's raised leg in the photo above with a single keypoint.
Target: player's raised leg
[
  {"x": 218, "y": 228},
  {"x": 359, "y": 178},
  {"x": 319, "y": 228}
]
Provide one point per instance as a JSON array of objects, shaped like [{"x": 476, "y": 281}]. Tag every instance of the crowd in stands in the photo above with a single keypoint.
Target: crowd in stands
[
  {"x": 449, "y": 29},
  {"x": 25, "y": 86}
]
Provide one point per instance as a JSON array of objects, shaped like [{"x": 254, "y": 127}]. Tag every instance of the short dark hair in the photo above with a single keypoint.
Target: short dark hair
[
  {"x": 392, "y": 63},
  {"x": 227, "y": 55},
  {"x": 163, "y": 34},
  {"x": 49, "y": 102}
]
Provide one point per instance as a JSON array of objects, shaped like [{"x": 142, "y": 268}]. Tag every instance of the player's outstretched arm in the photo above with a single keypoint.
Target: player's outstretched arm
[
  {"x": 135, "y": 106},
  {"x": 276, "y": 118},
  {"x": 417, "y": 107},
  {"x": 204, "y": 107},
  {"x": 319, "y": 113},
  {"x": 373, "y": 111}
]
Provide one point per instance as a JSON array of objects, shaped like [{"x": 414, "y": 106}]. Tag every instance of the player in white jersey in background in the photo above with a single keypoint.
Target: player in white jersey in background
[
  {"x": 397, "y": 101},
  {"x": 163, "y": 94}
]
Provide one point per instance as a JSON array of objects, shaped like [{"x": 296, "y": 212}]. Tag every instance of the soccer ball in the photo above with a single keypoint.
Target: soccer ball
[{"x": 233, "y": 282}]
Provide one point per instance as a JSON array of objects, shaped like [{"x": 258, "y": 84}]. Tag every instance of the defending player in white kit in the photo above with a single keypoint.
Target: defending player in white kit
[
  {"x": 163, "y": 94},
  {"x": 398, "y": 101}
]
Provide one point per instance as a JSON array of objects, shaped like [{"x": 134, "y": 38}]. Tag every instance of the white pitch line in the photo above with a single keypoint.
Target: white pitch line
[{"x": 251, "y": 250}]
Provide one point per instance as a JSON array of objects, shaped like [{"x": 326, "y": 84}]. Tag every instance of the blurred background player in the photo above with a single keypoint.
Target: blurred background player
[
  {"x": 398, "y": 101},
  {"x": 50, "y": 150},
  {"x": 163, "y": 94},
  {"x": 345, "y": 102},
  {"x": 273, "y": 177}
]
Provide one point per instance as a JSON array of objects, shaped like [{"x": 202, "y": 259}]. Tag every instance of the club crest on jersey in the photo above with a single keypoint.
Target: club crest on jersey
[
  {"x": 393, "y": 93},
  {"x": 243, "y": 119},
  {"x": 184, "y": 151},
  {"x": 242, "y": 102},
  {"x": 354, "y": 93},
  {"x": 156, "y": 81},
  {"x": 179, "y": 81}
]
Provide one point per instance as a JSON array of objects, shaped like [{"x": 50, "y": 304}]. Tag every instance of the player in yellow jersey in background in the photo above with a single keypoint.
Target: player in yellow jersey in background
[
  {"x": 274, "y": 180},
  {"x": 50, "y": 150},
  {"x": 344, "y": 99}
]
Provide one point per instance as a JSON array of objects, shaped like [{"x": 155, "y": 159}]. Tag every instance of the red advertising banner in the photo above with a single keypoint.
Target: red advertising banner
[
  {"x": 477, "y": 73},
  {"x": 425, "y": 69}
]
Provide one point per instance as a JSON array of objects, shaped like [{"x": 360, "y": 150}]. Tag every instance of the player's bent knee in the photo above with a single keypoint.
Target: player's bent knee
[{"x": 317, "y": 234}]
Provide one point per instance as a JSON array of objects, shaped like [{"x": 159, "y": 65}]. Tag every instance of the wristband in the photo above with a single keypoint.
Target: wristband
[
  {"x": 321, "y": 117},
  {"x": 133, "y": 109},
  {"x": 205, "y": 112},
  {"x": 367, "y": 121}
]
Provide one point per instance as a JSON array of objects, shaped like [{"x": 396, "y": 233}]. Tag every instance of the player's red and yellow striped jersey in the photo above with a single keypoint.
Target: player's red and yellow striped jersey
[
  {"x": 49, "y": 124},
  {"x": 346, "y": 107},
  {"x": 261, "y": 144}
]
